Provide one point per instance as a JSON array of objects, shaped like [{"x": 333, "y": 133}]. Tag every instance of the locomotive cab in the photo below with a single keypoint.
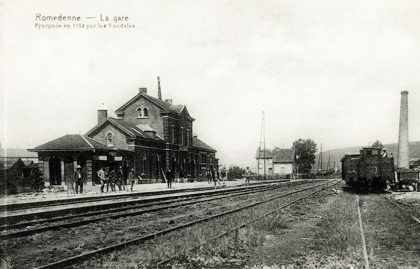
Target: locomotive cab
[
  {"x": 372, "y": 168},
  {"x": 376, "y": 167}
]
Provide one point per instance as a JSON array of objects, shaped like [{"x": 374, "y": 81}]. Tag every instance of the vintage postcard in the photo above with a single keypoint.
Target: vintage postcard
[{"x": 210, "y": 134}]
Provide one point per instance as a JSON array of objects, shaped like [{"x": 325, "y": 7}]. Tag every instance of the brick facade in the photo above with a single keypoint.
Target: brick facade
[{"x": 148, "y": 135}]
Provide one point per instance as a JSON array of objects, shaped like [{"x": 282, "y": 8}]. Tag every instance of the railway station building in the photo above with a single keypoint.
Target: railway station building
[{"x": 148, "y": 134}]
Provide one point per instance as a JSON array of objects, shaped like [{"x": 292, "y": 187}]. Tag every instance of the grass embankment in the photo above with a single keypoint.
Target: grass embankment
[
  {"x": 336, "y": 242},
  {"x": 411, "y": 203},
  {"x": 392, "y": 237}
]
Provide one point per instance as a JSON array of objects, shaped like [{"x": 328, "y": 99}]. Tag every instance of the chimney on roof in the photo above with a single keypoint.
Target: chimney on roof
[
  {"x": 168, "y": 101},
  {"x": 143, "y": 90},
  {"x": 159, "y": 89},
  {"x": 102, "y": 113}
]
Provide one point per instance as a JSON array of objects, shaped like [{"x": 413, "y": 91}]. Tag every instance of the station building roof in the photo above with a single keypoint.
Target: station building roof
[
  {"x": 164, "y": 105},
  {"x": 71, "y": 142},
  {"x": 197, "y": 143},
  {"x": 129, "y": 129}
]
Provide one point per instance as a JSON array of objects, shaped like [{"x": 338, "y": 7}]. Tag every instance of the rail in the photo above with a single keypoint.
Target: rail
[
  {"x": 75, "y": 259},
  {"x": 163, "y": 205},
  {"x": 228, "y": 231}
]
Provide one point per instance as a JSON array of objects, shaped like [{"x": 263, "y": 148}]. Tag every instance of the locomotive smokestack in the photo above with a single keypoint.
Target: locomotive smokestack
[{"x": 403, "y": 148}]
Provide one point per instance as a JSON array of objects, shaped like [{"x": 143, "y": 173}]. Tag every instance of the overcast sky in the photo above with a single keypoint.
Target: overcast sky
[{"x": 327, "y": 70}]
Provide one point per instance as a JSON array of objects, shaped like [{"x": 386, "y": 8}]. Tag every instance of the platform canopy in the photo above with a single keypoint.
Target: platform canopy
[{"x": 72, "y": 142}]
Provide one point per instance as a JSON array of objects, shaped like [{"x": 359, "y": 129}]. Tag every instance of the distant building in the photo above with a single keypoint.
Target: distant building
[
  {"x": 15, "y": 175},
  {"x": 278, "y": 162},
  {"x": 284, "y": 161},
  {"x": 148, "y": 134}
]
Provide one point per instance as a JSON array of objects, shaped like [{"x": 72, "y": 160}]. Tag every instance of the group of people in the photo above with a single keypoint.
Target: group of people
[
  {"x": 115, "y": 177},
  {"x": 216, "y": 177},
  {"x": 212, "y": 176},
  {"x": 108, "y": 176}
]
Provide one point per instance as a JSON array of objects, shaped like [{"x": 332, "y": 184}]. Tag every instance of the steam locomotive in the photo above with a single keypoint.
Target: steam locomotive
[{"x": 371, "y": 169}]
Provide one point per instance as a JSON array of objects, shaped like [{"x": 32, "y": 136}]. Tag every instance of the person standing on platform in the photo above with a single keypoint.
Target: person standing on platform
[
  {"x": 107, "y": 179},
  {"x": 78, "y": 178},
  {"x": 223, "y": 173},
  {"x": 208, "y": 174},
  {"x": 112, "y": 179},
  {"x": 101, "y": 175},
  {"x": 120, "y": 179},
  {"x": 169, "y": 177},
  {"x": 213, "y": 176},
  {"x": 247, "y": 176},
  {"x": 131, "y": 179},
  {"x": 181, "y": 176}
]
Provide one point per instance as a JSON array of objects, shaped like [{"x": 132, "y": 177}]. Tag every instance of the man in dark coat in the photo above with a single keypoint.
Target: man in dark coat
[
  {"x": 170, "y": 177},
  {"x": 78, "y": 178},
  {"x": 120, "y": 179}
]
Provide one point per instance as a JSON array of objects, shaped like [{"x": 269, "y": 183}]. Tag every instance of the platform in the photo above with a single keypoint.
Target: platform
[
  {"x": 68, "y": 202},
  {"x": 94, "y": 192}
]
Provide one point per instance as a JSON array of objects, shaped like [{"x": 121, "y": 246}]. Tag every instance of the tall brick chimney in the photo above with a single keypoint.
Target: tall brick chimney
[
  {"x": 403, "y": 147},
  {"x": 159, "y": 90},
  {"x": 102, "y": 113}
]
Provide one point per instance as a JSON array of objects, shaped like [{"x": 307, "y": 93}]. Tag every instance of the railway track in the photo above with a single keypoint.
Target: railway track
[
  {"x": 161, "y": 264},
  {"x": 79, "y": 200},
  {"x": 83, "y": 219},
  {"x": 88, "y": 255},
  {"x": 398, "y": 204},
  {"x": 402, "y": 208},
  {"x": 362, "y": 234},
  {"x": 35, "y": 214}
]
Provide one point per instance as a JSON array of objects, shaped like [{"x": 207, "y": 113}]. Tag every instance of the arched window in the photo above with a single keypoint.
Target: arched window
[
  {"x": 182, "y": 135},
  {"x": 142, "y": 112},
  {"x": 173, "y": 134},
  {"x": 187, "y": 134},
  {"x": 109, "y": 139}
]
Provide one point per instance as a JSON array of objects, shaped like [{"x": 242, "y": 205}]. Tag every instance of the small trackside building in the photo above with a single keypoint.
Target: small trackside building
[
  {"x": 284, "y": 161},
  {"x": 278, "y": 162}
]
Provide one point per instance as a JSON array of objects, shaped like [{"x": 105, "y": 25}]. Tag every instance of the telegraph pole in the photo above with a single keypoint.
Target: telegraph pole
[{"x": 262, "y": 145}]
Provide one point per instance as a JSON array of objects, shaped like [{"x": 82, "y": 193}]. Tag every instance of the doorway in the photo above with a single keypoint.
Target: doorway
[{"x": 55, "y": 170}]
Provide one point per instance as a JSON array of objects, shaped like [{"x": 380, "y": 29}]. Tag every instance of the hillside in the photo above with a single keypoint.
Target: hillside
[{"x": 337, "y": 154}]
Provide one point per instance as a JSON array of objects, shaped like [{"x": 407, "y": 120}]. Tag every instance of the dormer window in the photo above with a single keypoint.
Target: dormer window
[
  {"x": 142, "y": 112},
  {"x": 109, "y": 140}
]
